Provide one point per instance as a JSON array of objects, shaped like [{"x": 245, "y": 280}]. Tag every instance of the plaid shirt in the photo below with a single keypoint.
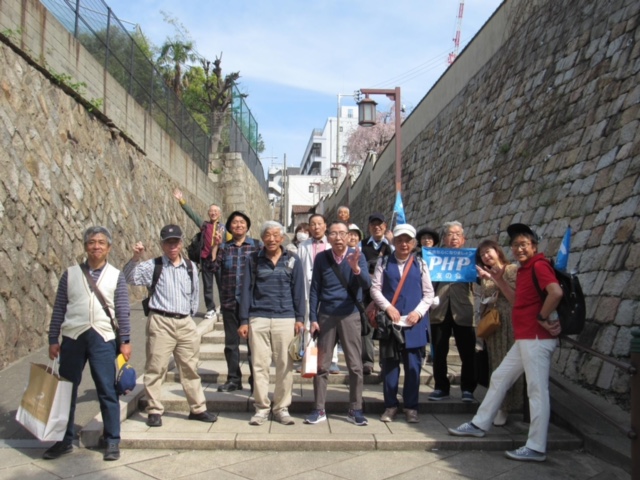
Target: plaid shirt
[{"x": 230, "y": 262}]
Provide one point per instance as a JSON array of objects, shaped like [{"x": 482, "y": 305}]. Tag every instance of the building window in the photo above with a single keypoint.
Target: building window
[
  {"x": 350, "y": 113},
  {"x": 340, "y": 129},
  {"x": 316, "y": 149}
]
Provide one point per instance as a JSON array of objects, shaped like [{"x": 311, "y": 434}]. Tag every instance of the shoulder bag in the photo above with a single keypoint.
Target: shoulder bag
[{"x": 490, "y": 321}]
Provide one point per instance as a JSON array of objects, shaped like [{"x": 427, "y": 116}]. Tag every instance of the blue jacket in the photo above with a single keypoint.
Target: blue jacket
[{"x": 327, "y": 295}]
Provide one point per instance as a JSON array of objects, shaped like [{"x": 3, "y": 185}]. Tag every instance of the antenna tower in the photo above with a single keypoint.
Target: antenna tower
[{"x": 456, "y": 38}]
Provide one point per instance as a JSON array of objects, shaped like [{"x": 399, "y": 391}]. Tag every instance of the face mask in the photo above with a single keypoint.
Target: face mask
[{"x": 301, "y": 236}]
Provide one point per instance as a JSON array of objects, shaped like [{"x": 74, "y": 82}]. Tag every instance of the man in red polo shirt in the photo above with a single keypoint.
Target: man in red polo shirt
[{"x": 535, "y": 328}]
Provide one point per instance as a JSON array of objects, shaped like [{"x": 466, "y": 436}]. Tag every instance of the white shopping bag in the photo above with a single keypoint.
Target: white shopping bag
[
  {"x": 310, "y": 359},
  {"x": 44, "y": 409}
]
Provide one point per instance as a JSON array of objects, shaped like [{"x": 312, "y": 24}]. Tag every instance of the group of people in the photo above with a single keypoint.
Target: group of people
[{"x": 320, "y": 283}]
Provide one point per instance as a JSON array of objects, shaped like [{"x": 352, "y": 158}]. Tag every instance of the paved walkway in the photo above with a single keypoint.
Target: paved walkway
[{"x": 20, "y": 463}]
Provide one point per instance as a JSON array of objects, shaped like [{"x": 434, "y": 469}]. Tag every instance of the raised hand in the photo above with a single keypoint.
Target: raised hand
[
  {"x": 353, "y": 259},
  {"x": 178, "y": 194}
]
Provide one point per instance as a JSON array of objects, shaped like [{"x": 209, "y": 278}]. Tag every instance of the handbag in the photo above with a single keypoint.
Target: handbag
[
  {"x": 44, "y": 408},
  {"x": 365, "y": 328},
  {"x": 96, "y": 291},
  {"x": 490, "y": 321},
  {"x": 310, "y": 359}
]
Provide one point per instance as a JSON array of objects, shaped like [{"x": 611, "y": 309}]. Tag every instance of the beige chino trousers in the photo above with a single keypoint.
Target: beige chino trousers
[
  {"x": 166, "y": 336},
  {"x": 269, "y": 340}
]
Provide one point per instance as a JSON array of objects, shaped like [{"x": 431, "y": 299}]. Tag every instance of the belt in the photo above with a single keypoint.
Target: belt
[{"x": 169, "y": 314}]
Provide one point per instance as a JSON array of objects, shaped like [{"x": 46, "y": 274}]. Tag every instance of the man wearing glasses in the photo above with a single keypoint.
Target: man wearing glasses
[
  {"x": 453, "y": 315},
  {"x": 331, "y": 311},
  {"x": 535, "y": 328}
]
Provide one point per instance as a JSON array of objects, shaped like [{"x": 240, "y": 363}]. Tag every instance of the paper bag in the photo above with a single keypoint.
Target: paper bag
[
  {"x": 310, "y": 360},
  {"x": 44, "y": 409}
]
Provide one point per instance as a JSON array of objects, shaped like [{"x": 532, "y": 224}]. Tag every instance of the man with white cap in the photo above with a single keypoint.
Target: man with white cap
[{"x": 410, "y": 313}]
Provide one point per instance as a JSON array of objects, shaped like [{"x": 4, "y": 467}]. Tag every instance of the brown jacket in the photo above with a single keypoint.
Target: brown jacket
[{"x": 460, "y": 297}]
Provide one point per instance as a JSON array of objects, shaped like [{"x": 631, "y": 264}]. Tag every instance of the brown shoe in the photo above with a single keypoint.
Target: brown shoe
[
  {"x": 389, "y": 414},
  {"x": 411, "y": 415}
]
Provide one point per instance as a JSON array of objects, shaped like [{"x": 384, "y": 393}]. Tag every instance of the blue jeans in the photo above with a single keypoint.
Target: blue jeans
[{"x": 101, "y": 356}]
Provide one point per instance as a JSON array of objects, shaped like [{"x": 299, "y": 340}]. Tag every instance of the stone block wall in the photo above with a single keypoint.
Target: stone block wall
[{"x": 545, "y": 132}]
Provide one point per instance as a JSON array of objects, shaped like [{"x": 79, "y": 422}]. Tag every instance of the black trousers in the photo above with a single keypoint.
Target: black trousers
[
  {"x": 231, "y": 322},
  {"x": 208, "y": 276},
  {"x": 466, "y": 343}
]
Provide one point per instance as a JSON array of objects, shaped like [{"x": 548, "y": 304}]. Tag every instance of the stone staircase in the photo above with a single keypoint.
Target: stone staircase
[{"x": 232, "y": 430}]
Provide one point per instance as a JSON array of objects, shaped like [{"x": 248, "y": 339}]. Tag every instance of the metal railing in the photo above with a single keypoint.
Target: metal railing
[{"x": 98, "y": 29}]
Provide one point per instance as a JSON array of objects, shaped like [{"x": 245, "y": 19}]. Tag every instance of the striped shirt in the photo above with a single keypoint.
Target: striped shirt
[
  {"x": 175, "y": 291},
  {"x": 121, "y": 303}
]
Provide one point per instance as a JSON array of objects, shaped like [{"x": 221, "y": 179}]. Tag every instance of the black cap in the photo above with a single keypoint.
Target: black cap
[
  {"x": 170, "y": 231},
  {"x": 376, "y": 216},
  {"x": 516, "y": 229},
  {"x": 235, "y": 214},
  {"x": 429, "y": 231}
]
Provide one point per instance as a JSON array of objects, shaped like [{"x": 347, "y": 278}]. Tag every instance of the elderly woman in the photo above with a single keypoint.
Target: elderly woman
[
  {"x": 409, "y": 313},
  {"x": 489, "y": 255},
  {"x": 272, "y": 310}
]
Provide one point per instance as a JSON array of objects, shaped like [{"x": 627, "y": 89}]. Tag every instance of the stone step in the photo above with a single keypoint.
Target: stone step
[
  {"x": 215, "y": 372},
  {"x": 174, "y": 400},
  {"x": 232, "y": 432}
]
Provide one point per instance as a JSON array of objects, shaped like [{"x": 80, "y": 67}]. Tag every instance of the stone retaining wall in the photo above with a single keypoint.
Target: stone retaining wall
[{"x": 544, "y": 132}]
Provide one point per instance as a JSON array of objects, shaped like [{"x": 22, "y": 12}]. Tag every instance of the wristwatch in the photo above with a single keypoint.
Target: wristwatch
[
  {"x": 124, "y": 342},
  {"x": 541, "y": 318}
]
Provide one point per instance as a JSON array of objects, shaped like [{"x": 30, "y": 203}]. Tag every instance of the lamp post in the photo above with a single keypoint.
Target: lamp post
[
  {"x": 335, "y": 176},
  {"x": 312, "y": 190},
  {"x": 367, "y": 118}
]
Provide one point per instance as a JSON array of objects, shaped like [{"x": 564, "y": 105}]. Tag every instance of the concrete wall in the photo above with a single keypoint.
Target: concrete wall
[
  {"x": 63, "y": 169},
  {"x": 537, "y": 121}
]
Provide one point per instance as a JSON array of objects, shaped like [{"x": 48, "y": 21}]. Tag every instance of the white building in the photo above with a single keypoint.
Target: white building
[{"x": 322, "y": 150}]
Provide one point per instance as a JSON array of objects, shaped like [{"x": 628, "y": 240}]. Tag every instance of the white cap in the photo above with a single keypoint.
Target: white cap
[{"x": 404, "y": 229}]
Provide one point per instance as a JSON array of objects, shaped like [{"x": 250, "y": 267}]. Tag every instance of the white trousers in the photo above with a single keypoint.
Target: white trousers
[{"x": 533, "y": 357}]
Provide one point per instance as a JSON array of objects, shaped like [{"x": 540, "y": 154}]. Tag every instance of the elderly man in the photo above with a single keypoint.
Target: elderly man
[
  {"x": 208, "y": 229},
  {"x": 376, "y": 247},
  {"x": 87, "y": 335},
  {"x": 535, "y": 328},
  {"x": 272, "y": 310},
  {"x": 170, "y": 328},
  {"x": 344, "y": 214},
  {"x": 230, "y": 259},
  {"x": 333, "y": 310},
  {"x": 453, "y": 315},
  {"x": 410, "y": 311}
]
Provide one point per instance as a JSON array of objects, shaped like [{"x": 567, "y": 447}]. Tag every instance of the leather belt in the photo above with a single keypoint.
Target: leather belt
[{"x": 169, "y": 314}]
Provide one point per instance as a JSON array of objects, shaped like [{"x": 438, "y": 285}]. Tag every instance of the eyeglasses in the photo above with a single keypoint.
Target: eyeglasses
[
  {"x": 337, "y": 234},
  {"x": 520, "y": 246},
  {"x": 454, "y": 234}
]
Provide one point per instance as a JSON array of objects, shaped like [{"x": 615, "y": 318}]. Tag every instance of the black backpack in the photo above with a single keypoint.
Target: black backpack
[
  {"x": 571, "y": 310},
  {"x": 194, "y": 249}
]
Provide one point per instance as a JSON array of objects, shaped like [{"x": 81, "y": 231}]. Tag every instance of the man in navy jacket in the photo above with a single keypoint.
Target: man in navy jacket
[{"x": 331, "y": 311}]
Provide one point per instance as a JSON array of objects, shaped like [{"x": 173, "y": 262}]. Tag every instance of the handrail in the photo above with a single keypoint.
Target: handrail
[{"x": 627, "y": 367}]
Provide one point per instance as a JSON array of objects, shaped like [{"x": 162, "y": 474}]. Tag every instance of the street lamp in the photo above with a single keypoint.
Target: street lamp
[
  {"x": 335, "y": 176},
  {"x": 367, "y": 118},
  {"x": 313, "y": 190}
]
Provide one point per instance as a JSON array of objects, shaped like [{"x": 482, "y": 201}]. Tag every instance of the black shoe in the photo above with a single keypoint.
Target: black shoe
[
  {"x": 229, "y": 387},
  {"x": 112, "y": 452},
  {"x": 203, "y": 417},
  {"x": 367, "y": 370},
  {"x": 154, "y": 420},
  {"x": 57, "y": 450}
]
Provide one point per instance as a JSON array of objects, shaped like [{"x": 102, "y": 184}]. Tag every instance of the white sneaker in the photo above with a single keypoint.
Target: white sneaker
[
  {"x": 209, "y": 314},
  {"x": 258, "y": 419},
  {"x": 501, "y": 418}
]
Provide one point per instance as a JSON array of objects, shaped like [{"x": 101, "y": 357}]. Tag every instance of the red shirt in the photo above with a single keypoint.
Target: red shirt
[{"x": 528, "y": 301}]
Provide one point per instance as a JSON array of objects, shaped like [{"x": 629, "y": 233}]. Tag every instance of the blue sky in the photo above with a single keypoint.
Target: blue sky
[{"x": 295, "y": 56}]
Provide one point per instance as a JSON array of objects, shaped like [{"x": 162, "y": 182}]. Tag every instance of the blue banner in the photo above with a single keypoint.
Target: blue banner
[
  {"x": 562, "y": 260},
  {"x": 451, "y": 264},
  {"x": 398, "y": 209}
]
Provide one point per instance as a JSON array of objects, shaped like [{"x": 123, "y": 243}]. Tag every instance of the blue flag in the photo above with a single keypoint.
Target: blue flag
[
  {"x": 562, "y": 260},
  {"x": 398, "y": 210}
]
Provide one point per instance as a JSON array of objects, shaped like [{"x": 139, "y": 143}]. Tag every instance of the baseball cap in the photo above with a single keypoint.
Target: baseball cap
[
  {"x": 126, "y": 378},
  {"x": 516, "y": 229},
  {"x": 404, "y": 229},
  {"x": 354, "y": 228},
  {"x": 170, "y": 231},
  {"x": 376, "y": 216}
]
